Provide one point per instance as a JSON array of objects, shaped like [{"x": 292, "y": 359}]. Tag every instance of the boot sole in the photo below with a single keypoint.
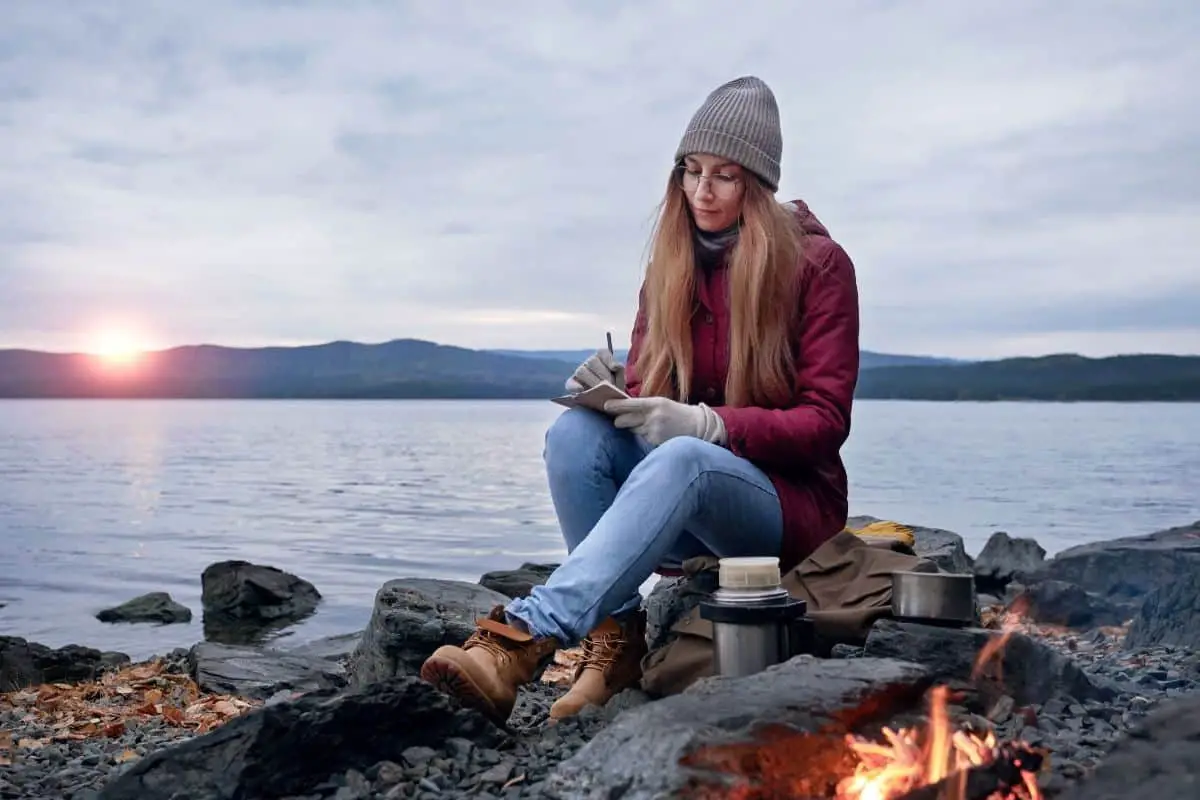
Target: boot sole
[{"x": 449, "y": 678}]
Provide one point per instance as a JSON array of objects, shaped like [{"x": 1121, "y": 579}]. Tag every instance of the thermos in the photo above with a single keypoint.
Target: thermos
[{"x": 756, "y": 623}]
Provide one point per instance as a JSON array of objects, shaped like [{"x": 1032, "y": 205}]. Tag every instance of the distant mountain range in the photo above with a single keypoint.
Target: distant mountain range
[
  {"x": 412, "y": 368},
  {"x": 1065, "y": 377},
  {"x": 868, "y": 359}
]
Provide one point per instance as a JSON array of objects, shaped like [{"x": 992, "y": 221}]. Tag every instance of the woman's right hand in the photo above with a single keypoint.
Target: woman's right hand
[{"x": 600, "y": 366}]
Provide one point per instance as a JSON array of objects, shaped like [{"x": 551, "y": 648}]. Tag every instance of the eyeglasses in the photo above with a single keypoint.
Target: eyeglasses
[{"x": 720, "y": 184}]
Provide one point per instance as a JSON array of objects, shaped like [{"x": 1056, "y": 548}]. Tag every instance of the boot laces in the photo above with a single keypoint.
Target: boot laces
[
  {"x": 490, "y": 642},
  {"x": 601, "y": 651}
]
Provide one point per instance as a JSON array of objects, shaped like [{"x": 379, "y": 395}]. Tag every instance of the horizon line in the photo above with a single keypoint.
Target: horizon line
[{"x": 360, "y": 343}]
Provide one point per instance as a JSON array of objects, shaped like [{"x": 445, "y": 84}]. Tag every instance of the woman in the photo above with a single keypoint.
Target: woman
[{"x": 742, "y": 367}]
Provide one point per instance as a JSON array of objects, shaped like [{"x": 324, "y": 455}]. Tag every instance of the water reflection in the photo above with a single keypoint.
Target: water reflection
[{"x": 101, "y": 501}]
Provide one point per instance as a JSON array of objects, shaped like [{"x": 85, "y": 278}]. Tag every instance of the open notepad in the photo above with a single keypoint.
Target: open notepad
[{"x": 593, "y": 398}]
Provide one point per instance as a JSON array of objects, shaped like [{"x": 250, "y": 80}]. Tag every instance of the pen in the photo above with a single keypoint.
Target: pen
[{"x": 610, "y": 347}]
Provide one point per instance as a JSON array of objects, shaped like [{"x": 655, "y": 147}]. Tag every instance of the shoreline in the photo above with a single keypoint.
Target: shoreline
[
  {"x": 1077, "y": 735},
  {"x": 1084, "y": 672}
]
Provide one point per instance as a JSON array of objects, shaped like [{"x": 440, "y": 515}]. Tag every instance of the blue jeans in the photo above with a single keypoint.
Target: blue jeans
[{"x": 626, "y": 508}]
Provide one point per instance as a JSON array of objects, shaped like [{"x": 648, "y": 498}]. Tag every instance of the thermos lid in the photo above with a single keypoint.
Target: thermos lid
[{"x": 748, "y": 572}]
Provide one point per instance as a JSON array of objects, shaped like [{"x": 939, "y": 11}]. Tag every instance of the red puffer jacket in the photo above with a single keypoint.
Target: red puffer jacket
[{"x": 797, "y": 446}]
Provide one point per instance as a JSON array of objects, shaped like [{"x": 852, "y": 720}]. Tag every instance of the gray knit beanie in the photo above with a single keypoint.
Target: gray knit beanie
[{"x": 739, "y": 121}]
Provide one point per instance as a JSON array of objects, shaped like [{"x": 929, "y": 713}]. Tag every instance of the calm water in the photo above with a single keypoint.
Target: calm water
[{"x": 103, "y": 500}]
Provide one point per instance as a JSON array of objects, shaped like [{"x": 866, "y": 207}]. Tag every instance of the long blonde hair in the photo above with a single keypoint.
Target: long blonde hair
[{"x": 763, "y": 266}]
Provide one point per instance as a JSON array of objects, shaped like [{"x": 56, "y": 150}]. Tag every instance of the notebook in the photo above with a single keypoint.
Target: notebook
[{"x": 593, "y": 398}]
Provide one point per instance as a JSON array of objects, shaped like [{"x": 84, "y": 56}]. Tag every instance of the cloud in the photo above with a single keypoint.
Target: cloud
[{"x": 1015, "y": 178}]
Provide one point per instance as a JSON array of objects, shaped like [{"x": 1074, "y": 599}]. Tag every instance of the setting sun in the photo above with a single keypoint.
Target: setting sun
[{"x": 116, "y": 347}]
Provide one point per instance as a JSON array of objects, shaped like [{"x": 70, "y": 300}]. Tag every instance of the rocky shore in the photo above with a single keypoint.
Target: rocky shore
[{"x": 1096, "y": 667}]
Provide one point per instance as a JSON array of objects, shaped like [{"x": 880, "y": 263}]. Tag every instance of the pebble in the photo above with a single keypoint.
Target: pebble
[{"x": 1078, "y": 734}]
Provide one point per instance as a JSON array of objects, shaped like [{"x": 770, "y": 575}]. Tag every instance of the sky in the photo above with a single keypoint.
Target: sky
[{"x": 1008, "y": 177}]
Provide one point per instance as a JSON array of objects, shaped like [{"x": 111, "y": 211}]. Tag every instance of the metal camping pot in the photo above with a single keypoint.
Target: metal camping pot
[
  {"x": 756, "y": 623},
  {"x": 934, "y": 598}
]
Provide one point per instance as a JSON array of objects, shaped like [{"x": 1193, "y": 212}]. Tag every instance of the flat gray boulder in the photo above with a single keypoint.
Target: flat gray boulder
[
  {"x": 259, "y": 673},
  {"x": 290, "y": 749},
  {"x": 411, "y": 618},
  {"x": 335, "y": 648},
  {"x": 1052, "y": 602},
  {"x": 1028, "y": 670},
  {"x": 1169, "y": 615},
  {"x": 157, "y": 607},
  {"x": 518, "y": 582},
  {"x": 1126, "y": 570},
  {"x": 657, "y": 750}
]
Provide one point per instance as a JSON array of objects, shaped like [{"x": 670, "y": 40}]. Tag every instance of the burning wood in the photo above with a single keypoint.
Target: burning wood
[
  {"x": 943, "y": 763},
  {"x": 911, "y": 759},
  {"x": 103, "y": 708}
]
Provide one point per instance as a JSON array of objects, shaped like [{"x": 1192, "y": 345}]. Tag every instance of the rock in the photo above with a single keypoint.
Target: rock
[
  {"x": 333, "y": 648},
  {"x": 24, "y": 663},
  {"x": 261, "y": 673},
  {"x": 639, "y": 754},
  {"x": 517, "y": 582},
  {"x": 1125, "y": 570},
  {"x": 152, "y": 607},
  {"x": 944, "y": 548},
  {"x": 670, "y": 600},
  {"x": 1169, "y": 615},
  {"x": 1030, "y": 670},
  {"x": 289, "y": 748},
  {"x": 242, "y": 599},
  {"x": 1054, "y": 602},
  {"x": 1004, "y": 559},
  {"x": 1158, "y": 760},
  {"x": 412, "y": 617}
]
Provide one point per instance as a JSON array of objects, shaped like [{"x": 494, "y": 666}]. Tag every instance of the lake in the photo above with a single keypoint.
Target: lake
[{"x": 104, "y": 500}]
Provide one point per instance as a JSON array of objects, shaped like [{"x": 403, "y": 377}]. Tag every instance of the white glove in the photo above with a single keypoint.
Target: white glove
[
  {"x": 657, "y": 419},
  {"x": 601, "y": 366}
]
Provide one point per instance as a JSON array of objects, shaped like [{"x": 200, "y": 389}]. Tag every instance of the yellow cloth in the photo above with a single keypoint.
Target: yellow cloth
[{"x": 886, "y": 529}]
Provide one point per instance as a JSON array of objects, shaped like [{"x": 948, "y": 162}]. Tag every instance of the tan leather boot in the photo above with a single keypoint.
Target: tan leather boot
[
  {"x": 612, "y": 662},
  {"x": 486, "y": 672}
]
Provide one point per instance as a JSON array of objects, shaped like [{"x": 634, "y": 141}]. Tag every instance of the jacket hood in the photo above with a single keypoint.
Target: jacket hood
[{"x": 808, "y": 220}]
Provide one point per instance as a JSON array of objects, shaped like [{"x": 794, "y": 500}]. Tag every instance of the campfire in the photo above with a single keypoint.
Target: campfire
[
  {"x": 940, "y": 757},
  {"x": 936, "y": 760}
]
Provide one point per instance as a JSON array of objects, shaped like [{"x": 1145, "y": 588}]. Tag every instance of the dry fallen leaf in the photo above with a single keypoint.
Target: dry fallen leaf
[
  {"x": 143, "y": 672},
  {"x": 105, "y": 707},
  {"x": 562, "y": 671},
  {"x": 225, "y": 708},
  {"x": 126, "y": 755}
]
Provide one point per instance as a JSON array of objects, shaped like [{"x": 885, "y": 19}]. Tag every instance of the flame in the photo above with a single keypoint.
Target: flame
[
  {"x": 910, "y": 758},
  {"x": 992, "y": 652}
]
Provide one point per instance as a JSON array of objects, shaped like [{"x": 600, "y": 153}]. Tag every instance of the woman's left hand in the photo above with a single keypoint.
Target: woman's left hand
[{"x": 657, "y": 419}]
